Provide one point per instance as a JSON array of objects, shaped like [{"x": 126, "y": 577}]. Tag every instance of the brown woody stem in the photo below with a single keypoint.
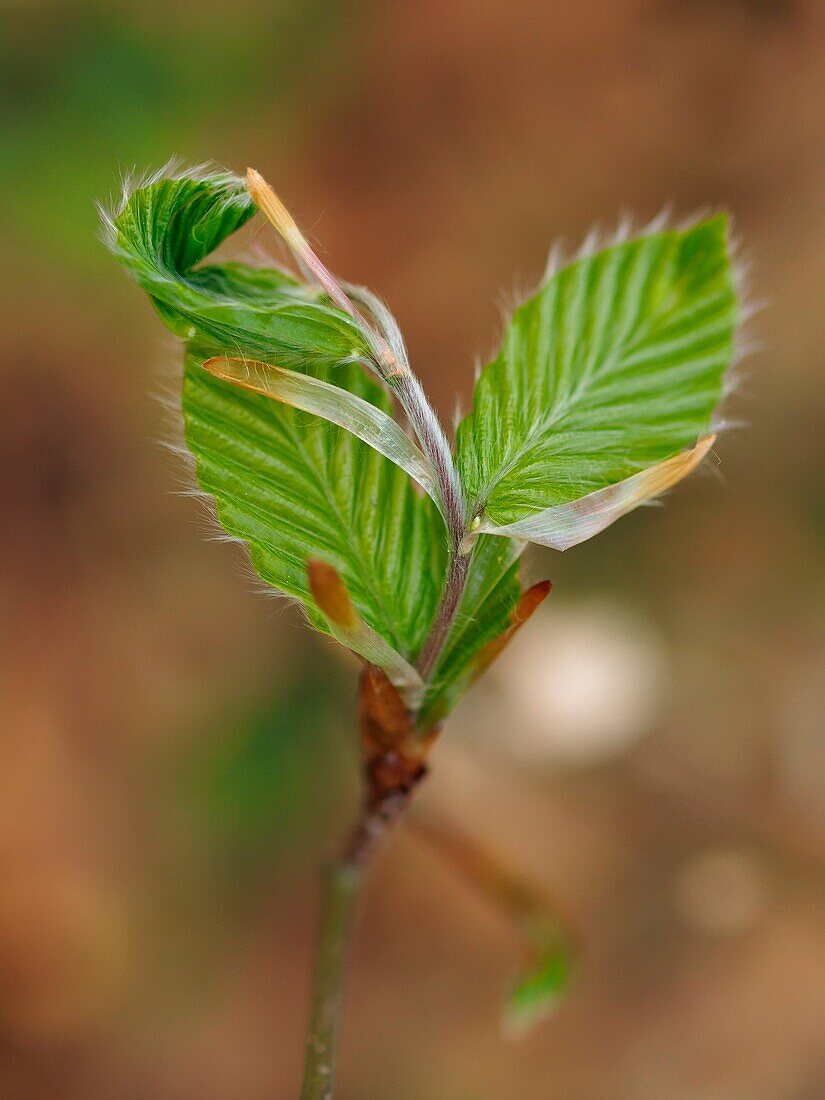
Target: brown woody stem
[{"x": 394, "y": 764}]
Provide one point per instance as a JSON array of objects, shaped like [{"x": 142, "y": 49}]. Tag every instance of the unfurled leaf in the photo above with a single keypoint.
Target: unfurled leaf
[
  {"x": 614, "y": 367},
  {"x": 295, "y": 487}
]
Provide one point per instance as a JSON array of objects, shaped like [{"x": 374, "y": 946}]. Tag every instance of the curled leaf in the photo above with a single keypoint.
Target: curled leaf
[{"x": 163, "y": 230}]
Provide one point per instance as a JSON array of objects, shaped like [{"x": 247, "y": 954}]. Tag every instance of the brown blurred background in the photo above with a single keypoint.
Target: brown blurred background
[{"x": 176, "y": 749}]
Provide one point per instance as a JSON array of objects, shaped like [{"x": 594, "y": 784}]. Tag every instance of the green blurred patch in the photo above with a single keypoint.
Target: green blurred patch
[
  {"x": 88, "y": 90},
  {"x": 542, "y": 987},
  {"x": 264, "y": 788}
]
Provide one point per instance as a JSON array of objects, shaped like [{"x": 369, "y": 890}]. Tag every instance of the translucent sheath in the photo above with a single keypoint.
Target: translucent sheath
[
  {"x": 567, "y": 525},
  {"x": 335, "y": 404}
]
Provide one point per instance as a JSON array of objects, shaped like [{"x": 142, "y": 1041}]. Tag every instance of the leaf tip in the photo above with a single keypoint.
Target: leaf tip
[
  {"x": 528, "y": 602},
  {"x": 530, "y": 599},
  {"x": 273, "y": 209},
  {"x": 230, "y": 369}
]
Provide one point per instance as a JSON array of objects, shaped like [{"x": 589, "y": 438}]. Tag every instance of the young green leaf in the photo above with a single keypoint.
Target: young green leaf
[
  {"x": 295, "y": 487},
  {"x": 615, "y": 366},
  {"x": 604, "y": 383}
]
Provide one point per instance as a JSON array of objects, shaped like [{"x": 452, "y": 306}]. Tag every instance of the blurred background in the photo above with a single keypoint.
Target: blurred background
[{"x": 177, "y": 750}]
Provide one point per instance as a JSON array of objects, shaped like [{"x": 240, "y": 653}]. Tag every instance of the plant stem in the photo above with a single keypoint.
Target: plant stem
[
  {"x": 430, "y": 434},
  {"x": 395, "y": 370},
  {"x": 454, "y": 584},
  {"x": 339, "y": 889},
  {"x": 427, "y": 428},
  {"x": 391, "y": 778}
]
